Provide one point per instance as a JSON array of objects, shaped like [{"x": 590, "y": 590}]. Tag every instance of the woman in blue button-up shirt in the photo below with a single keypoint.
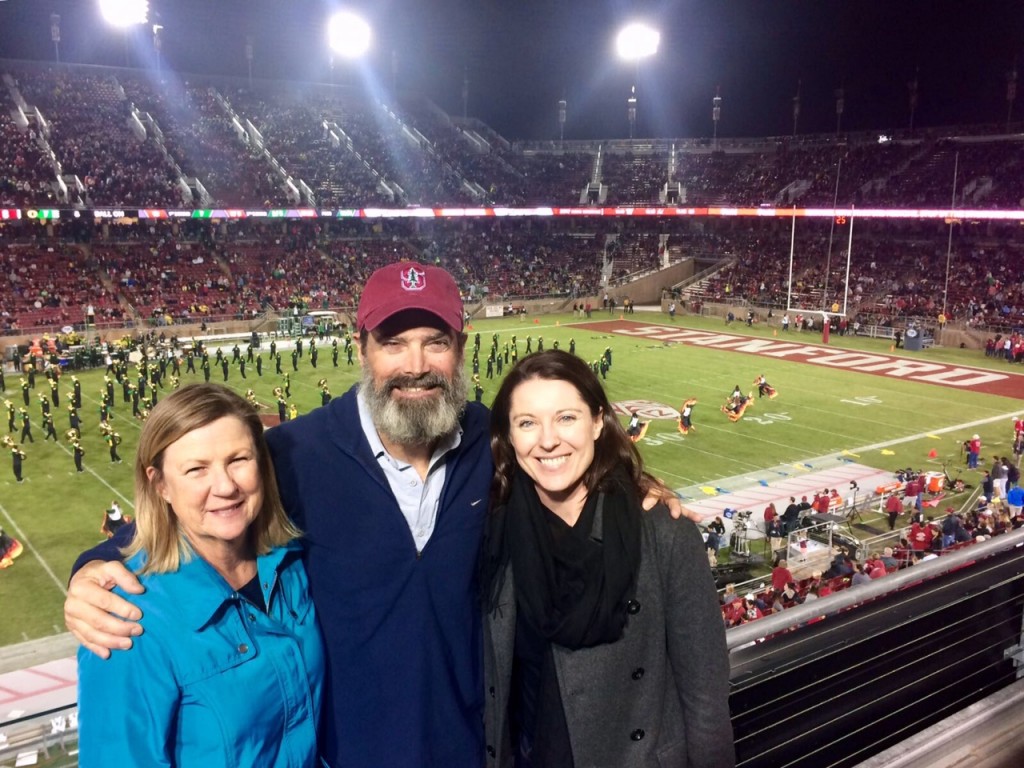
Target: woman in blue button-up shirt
[{"x": 229, "y": 670}]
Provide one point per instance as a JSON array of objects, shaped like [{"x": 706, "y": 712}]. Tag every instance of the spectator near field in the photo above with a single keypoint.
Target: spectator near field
[
  {"x": 894, "y": 508},
  {"x": 973, "y": 451}
]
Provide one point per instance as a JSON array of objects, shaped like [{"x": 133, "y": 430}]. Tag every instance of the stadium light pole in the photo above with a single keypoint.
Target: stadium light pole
[
  {"x": 840, "y": 106},
  {"x": 124, "y": 15},
  {"x": 912, "y": 86},
  {"x": 55, "y": 34},
  {"x": 1011, "y": 93},
  {"x": 348, "y": 35},
  {"x": 716, "y": 114},
  {"x": 796, "y": 106},
  {"x": 248, "y": 56},
  {"x": 158, "y": 45},
  {"x": 636, "y": 41}
]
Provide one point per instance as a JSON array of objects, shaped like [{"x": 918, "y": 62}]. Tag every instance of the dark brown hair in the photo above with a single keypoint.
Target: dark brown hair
[{"x": 613, "y": 450}]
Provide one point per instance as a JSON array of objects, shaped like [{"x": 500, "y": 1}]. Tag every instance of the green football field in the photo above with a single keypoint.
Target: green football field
[{"x": 886, "y": 421}]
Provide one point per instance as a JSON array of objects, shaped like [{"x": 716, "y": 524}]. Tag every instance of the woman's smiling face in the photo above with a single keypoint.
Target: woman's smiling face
[{"x": 552, "y": 432}]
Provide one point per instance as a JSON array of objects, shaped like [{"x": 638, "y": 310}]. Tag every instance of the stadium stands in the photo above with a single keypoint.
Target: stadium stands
[{"x": 118, "y": 138}]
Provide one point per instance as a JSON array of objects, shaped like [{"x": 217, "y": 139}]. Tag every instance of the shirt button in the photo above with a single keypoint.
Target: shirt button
[
  {"x": 633, "y": 607},
  {"x": 638, "y": 673},
  {"x": 637, "y": 734},
  {"x": 243, "y": 648},
  {"x": 252, "y": 617}
]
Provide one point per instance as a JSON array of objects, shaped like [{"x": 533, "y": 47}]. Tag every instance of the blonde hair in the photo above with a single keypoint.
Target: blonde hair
[{"x": 184, "y": 410}]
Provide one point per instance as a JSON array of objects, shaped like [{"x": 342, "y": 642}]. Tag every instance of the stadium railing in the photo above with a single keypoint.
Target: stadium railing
[{"x": 838, "y": 680}]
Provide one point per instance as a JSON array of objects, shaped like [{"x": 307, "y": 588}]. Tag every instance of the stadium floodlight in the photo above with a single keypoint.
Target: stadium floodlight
[
  {"x": 348, "y": 35},
  {"x": 637, "y": 41},
  {"x": 124, "y": 13}
]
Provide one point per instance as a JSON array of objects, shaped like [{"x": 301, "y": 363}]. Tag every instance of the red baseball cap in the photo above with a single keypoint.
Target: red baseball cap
[{"x": 408, "y": 285}]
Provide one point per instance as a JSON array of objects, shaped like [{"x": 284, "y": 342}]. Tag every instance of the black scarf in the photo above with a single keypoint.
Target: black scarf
[{"x": 572, "y": 583}]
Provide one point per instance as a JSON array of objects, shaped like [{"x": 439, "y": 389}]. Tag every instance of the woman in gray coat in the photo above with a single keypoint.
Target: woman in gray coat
[{"x": 604, "y": 642}]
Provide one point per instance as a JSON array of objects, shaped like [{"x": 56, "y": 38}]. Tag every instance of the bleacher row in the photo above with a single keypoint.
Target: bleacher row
[
  {"x": 119, "y": 138},
  {"x": 116, "y": 137},
  {"x": 165, "y": 273},
  {"x": 979, "y": 525}
]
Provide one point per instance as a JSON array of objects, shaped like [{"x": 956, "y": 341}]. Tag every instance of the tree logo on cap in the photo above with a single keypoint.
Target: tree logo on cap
[{"x": 413, "y": 279}]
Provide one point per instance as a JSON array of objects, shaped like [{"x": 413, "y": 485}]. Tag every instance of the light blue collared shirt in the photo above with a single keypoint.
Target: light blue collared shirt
[{"x": 418, "y": 499}]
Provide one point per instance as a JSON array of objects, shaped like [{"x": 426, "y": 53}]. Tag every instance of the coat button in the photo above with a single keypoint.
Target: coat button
[
  {"x": 491, "y": 691},
  {"x": 490, "y": 750},
  {"x": 633, "y": 607},
  {"x": 638, "y": 673},
  {"x": 637, "y": 734},
  {"x": 243, "y": 648}
]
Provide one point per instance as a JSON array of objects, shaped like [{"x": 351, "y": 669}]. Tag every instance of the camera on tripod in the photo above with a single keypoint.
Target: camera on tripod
[
  {"x": 740, "y": 523},
  {"x": 742, "y": 519}
]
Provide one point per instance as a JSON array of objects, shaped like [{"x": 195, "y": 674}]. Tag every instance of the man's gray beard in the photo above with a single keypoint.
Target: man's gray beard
[{"x": 420, "y": 421}]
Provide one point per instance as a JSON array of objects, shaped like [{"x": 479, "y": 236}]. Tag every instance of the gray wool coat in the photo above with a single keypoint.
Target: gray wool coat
[{"x": 656, "y": 698}]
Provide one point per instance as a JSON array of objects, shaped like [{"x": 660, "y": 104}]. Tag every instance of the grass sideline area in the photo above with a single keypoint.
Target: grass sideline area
[{"x": 56, "y": 513}]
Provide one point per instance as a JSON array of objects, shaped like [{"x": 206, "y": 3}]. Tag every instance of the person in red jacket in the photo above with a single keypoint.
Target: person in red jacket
[
  {"x": 921, "y": 535},
  {"x": 973, "y": 451},
  {"x": 781, "y": 576},
  {"x": 894, "y": 507}
]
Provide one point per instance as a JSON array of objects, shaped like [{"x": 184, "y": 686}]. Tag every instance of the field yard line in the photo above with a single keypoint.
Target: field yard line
[
  {"x": 886, "y": 444},
  {"x": 24, "y": 540},
  {"x": 1007, "y": 417}
]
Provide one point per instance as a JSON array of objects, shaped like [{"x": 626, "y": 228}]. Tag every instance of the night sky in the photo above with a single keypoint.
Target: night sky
[{"x": 522, "y": 56}]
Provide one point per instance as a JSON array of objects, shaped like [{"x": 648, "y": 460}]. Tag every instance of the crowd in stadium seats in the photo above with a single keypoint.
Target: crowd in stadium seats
[
  {"x": 88, "y": 117},
  {"x": 249, "y": 268},
  {"x": 634, "y": 178},
  {"x": 926, "y": 539},
  {"x": 27, "y": 178},
  {"x": 423, "y": 157},
  {"x": 122, "y": 139},
  {"x": 51, "y": 287}
]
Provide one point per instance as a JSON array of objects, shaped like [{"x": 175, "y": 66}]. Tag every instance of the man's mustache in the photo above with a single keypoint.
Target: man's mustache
[{"x": 425, "y": 381}]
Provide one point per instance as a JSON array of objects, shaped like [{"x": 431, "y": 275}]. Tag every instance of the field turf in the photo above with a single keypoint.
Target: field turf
[{"x": 56, "y": 512}]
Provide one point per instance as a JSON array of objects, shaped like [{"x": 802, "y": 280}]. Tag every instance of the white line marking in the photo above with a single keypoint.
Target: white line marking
[{"x": 28, "y": 545}]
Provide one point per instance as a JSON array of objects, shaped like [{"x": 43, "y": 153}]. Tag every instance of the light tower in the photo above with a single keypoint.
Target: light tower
[
  {"x": 840, "y": 106},
  {"x": 55, "y": 35},
  {"x": 158, "y": 44},
  {"x": 1011, "y": 93},
  {"x": 248, "y": 56},
  {"x": 716, "y": 114},
  {"x": 796, "y": 106},
  {"x": 124, "y": 14},
  {"x": 348, "y": 35},
  {"x": 634, "y": 42},
  {"x": 912, "y": 100}
]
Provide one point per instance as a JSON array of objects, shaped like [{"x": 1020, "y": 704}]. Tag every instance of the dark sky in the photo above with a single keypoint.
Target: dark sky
[{"x": 522, "y": 56}]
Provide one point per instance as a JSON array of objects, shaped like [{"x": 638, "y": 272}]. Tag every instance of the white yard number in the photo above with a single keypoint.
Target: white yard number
[
  {"x": 768, "y": 418},
  {"x": 866, "y": 400}
]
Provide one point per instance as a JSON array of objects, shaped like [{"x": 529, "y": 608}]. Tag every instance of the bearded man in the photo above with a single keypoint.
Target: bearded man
[{"x": 389, "y": 484}]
